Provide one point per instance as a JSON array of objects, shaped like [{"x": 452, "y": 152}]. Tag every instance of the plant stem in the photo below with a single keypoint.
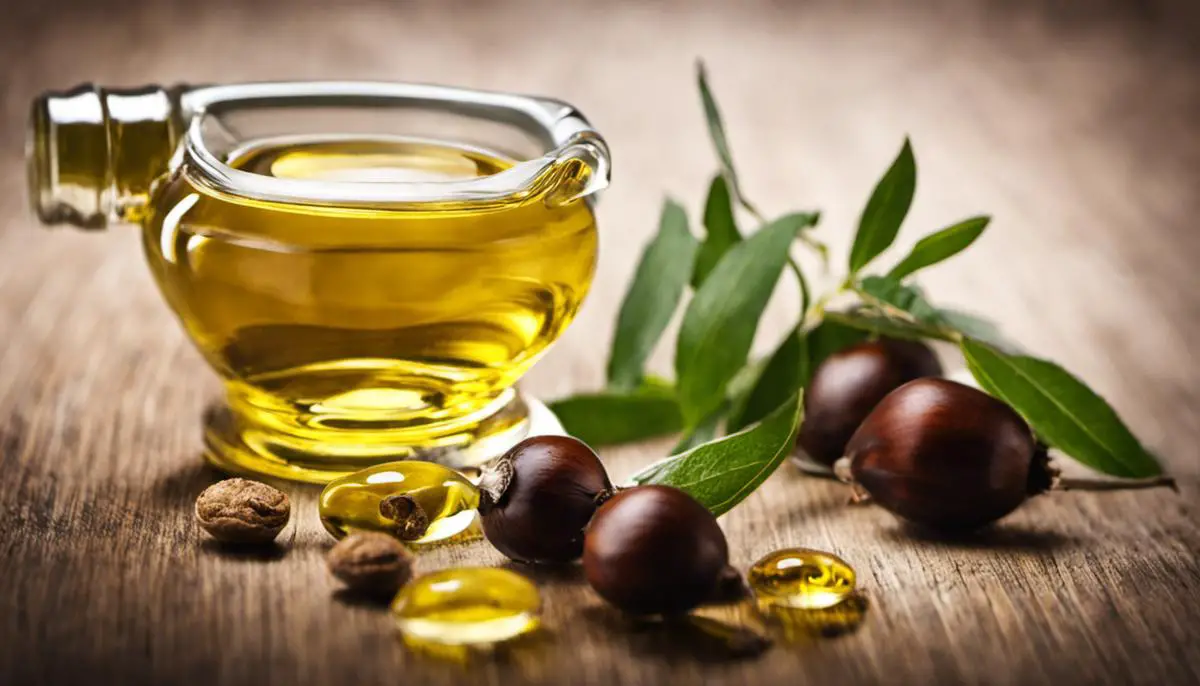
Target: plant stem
[
  {"x": 815, "y": 469},
  {"x": 932, "y": 330},
  {"x": 805, "y": 296},
  {"x": 819, "y": 248},
  {"x": 817, "y": 309},
  {"x": 737, "y": 192}
]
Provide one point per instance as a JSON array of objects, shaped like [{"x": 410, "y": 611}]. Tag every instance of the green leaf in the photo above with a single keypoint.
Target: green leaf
[
  {"x": 807, "y": 220},
  {"x": 829, "y": 337},
  {"x": 884, "y": 325},
  {"x": 940, "y": 246},
  {"x": 737, "y": 392},
  {"x": 1062, "y": 410},
  {"x": 906, "y": 298},
  {"x": 703, "y": 433},
  {"x": 657, "y": 287},
  {"x": 951, "y": 323},
  {"x": 719, "y": 323},
  {"x": 721, "y": 231},
  {"x": 743, "y": 382},
  {"x": 803, "y": 220},
  {"x": 716, "y": 132},
  {"x": 885, "y": 210},
  {"x": 979, "y": 328},
  {"x": 721, "y": 473},
  {"x": 612, "y": 417},
  {"x": 785, "y": 373}
]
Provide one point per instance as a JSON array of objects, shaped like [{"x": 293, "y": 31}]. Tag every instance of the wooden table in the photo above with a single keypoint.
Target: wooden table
[{"x": 1076, "y": 128}]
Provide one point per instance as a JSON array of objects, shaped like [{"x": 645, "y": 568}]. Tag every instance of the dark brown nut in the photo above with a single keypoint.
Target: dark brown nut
[
  {"x": 371, "y": 562},
  {"x": 654, "y": 550},
  {"x": 946, "y": 456},
  {"x": 243, "y": 511},
  {"x": 951, "y": 458},
  {"x": 538, "y": 497},
  {"x": 850, "y": 383}
]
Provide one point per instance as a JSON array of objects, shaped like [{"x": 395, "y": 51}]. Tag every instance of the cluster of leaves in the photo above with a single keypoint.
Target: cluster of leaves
[{"x": 756, "y": 403}]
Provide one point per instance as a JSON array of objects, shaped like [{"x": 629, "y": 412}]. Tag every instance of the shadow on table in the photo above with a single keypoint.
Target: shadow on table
[
  {"x": 252, "y": 552},
  {"x": 548, "y": 575},
  {"x": 999, "y": 537},
  {"x": 368, "y": 600},
  {"x": 705, "y": 639}
]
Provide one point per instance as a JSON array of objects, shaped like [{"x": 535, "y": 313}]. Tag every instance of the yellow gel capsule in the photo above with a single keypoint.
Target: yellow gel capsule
[
  {"x": 467, "y": 606},
  {"x": 801, "y": 578},
  {"x": 418, "y": 502}
]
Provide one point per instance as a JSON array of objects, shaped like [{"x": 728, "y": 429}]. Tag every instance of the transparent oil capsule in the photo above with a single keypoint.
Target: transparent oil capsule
[
  {"x": 801, "y": 578},
  {"x": 467, "y": 606},
  {"x": 419, "y": 502}
]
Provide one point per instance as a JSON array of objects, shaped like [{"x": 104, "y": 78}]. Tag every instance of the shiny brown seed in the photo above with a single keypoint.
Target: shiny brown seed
[
  {"x": 538, "y": 497},
  {"x": 947, "y": 456},
  {"x": 654, "y": 550},
  {"x": 850, "y": 383}
]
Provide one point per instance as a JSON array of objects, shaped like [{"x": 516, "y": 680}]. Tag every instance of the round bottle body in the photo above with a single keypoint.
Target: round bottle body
[{"x": 353, "y": 335}]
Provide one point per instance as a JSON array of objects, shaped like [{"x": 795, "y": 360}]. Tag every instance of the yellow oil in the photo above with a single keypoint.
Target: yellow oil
[
  {"x": 467, "y": 606},
  {"x": 349, "y": 336},
  {"x": 441, "y": 502},
  {"x": 801, "y": 578}
]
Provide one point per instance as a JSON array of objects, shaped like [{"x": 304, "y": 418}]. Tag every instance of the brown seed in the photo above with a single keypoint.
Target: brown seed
[
  {"x": 371, "y": 562},
  {"x": 850, "y": 383},
  {"x": 947, "y": 456},
  {"x": 654, "y": 550},
  {"x": 410, "y": 518},
  {"x": 538, "y": 497},
  {"x": 243, "y": 511}
]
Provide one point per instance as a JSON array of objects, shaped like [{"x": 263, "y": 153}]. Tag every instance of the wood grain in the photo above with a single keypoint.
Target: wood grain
[{"x": 1073, "y": 123}]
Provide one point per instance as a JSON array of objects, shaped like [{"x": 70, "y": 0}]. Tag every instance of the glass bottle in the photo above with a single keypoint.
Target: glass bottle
[{"x": 369, "y": 267}]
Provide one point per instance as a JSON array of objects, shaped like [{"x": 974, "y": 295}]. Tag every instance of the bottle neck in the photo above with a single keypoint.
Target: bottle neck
[{"x": 93, "y": 153}]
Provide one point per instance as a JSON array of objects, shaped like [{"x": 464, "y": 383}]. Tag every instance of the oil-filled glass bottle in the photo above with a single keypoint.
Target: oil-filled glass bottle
[{"x": 369, "y": 267}]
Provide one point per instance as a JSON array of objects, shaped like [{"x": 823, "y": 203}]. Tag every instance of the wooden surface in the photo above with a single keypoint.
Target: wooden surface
[{"x": 1076, "y": 127}]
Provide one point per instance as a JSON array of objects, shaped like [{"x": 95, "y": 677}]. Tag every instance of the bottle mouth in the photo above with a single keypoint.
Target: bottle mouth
[
  {"x": 573, "y": 162},
  {"x": 37, "y": 167},
  {"x": 68, "y": 189},
  {"x": 91, "y": 154}
]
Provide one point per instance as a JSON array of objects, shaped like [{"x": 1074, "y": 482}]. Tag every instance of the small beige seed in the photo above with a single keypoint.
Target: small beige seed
[
  {"x": 371, "y": 562},
  {"x": 243, "y": 511}
]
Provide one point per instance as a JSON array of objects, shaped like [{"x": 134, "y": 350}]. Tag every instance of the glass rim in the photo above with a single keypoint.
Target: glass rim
[{"x": 559, "y": 126}]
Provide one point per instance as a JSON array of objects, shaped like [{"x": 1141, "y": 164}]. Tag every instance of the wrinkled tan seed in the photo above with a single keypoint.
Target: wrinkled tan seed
[
  {"x": 243, "y": 511},
  {"x": 371, "y": 562}
]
